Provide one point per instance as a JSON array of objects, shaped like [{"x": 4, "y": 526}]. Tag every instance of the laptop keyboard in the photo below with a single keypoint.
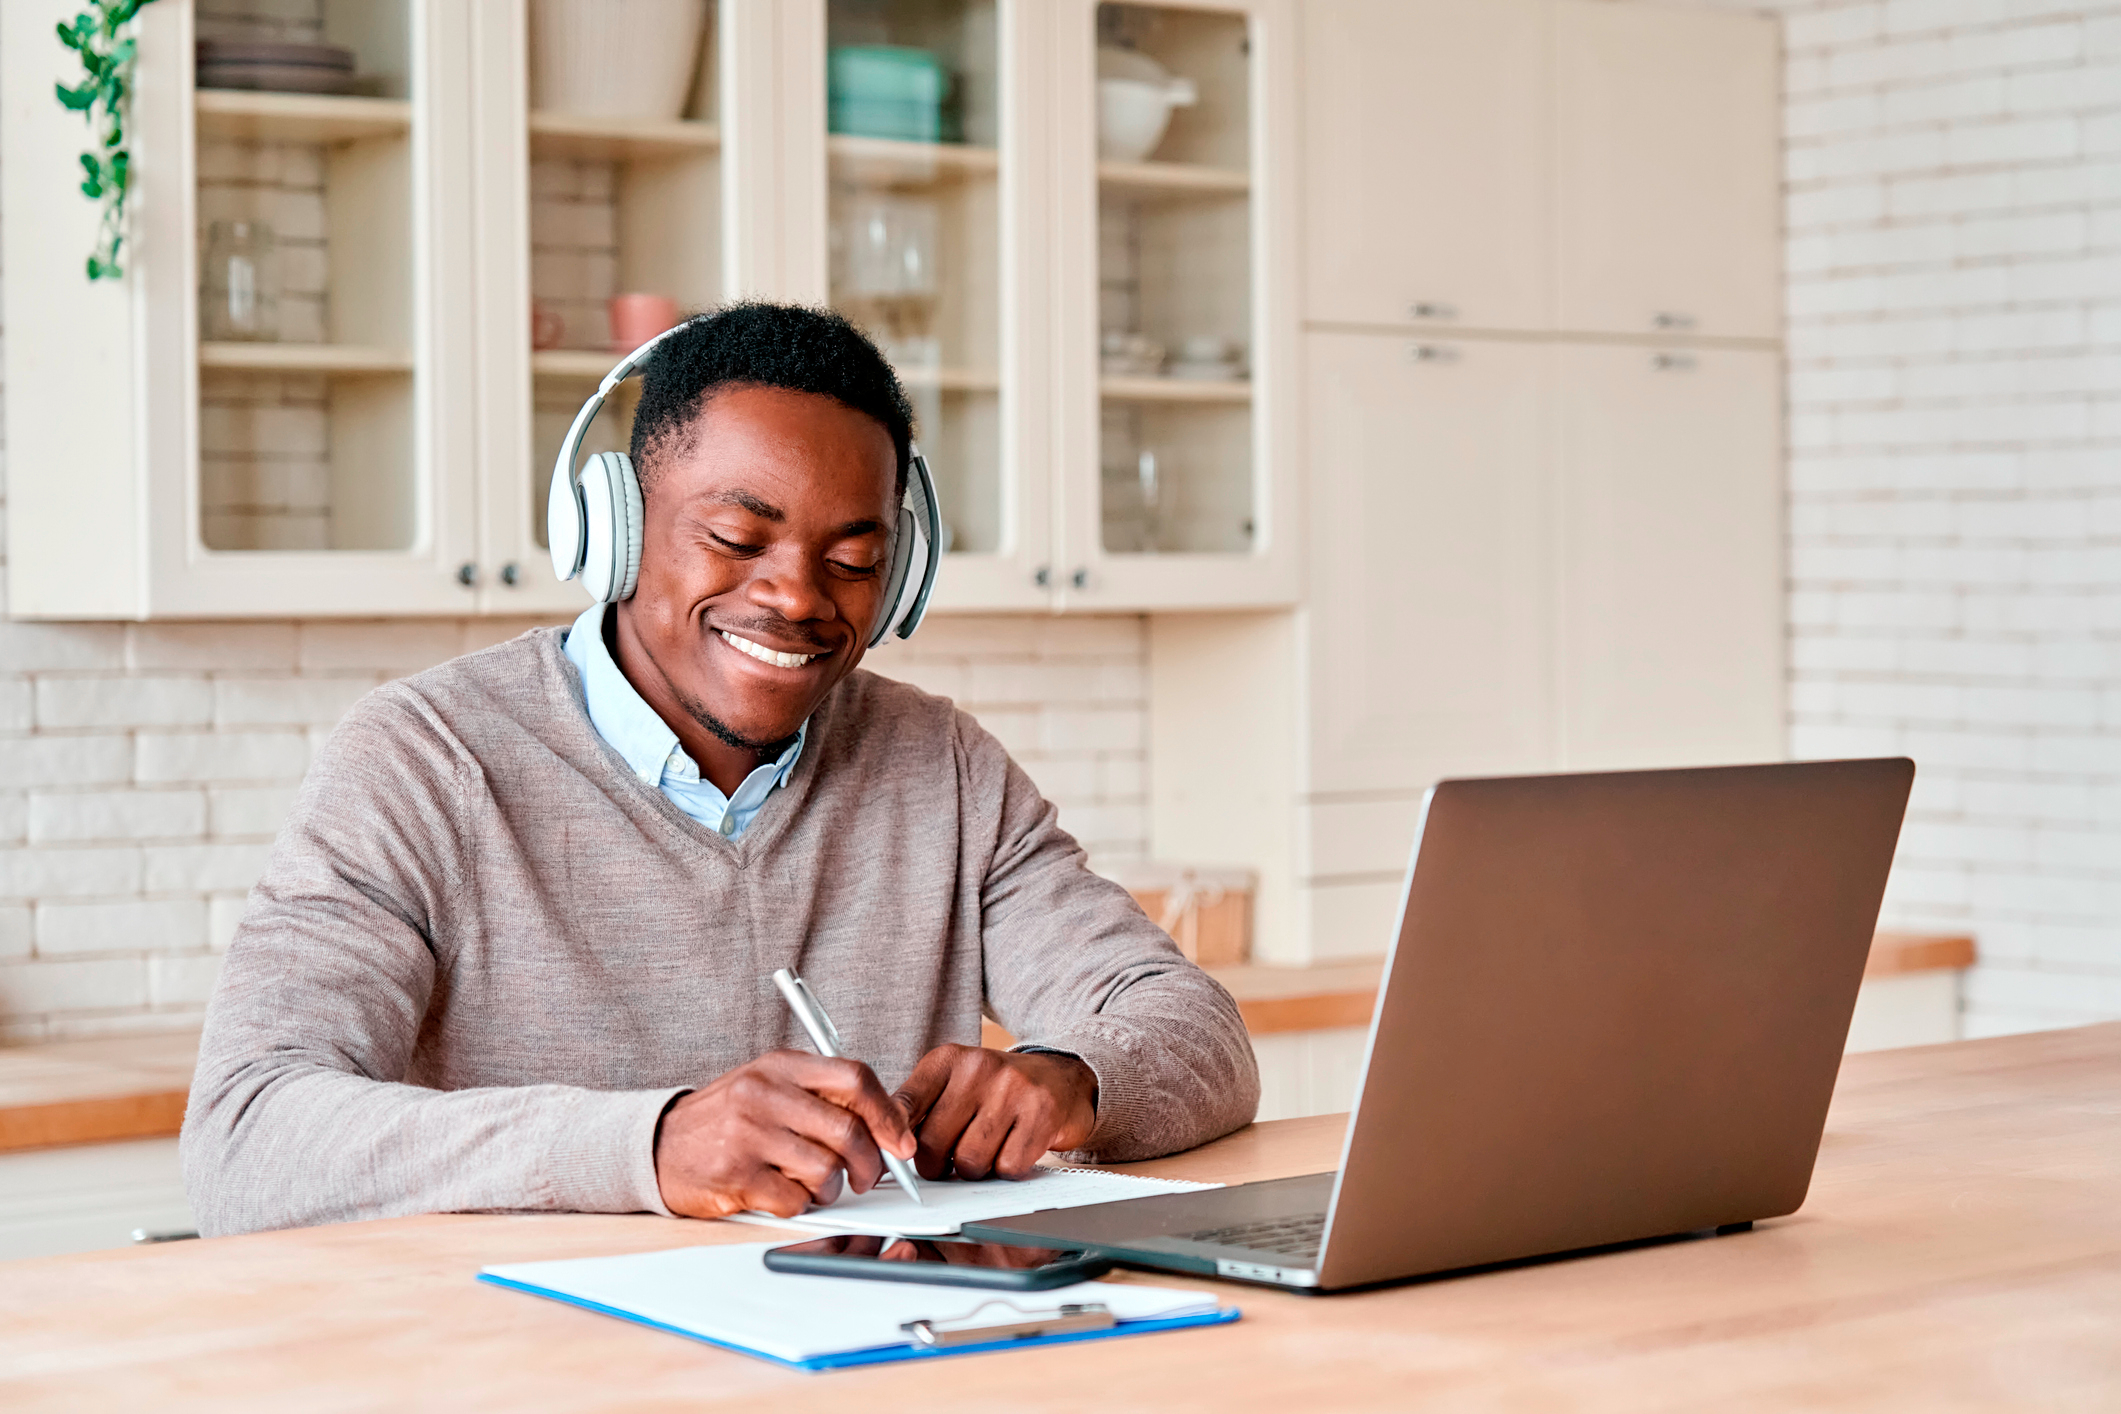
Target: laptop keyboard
[{"x": 1288, "y": 1237}]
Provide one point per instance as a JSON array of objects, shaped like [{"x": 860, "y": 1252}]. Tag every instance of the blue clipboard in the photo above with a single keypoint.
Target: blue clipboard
[{"x": 881, "y": 1354}]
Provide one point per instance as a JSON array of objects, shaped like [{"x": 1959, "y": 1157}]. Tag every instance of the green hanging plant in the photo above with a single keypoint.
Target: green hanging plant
[{"x": 100, "y": 98}]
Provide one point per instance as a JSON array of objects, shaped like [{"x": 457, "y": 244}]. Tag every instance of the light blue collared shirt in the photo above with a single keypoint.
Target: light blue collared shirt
[{"x": 651, "y": 749}]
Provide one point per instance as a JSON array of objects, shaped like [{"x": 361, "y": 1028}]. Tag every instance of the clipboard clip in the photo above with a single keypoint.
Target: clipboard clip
[{"x": 1075, "y": 1316}]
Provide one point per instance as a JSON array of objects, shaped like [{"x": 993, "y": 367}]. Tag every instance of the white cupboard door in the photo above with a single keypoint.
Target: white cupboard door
[
  {"x": 1429, "y": 582},
  {"x": 1667, "y": 152},
  {"x": 1671, "y": 609},
  {"x": 1425, "y": 162}
]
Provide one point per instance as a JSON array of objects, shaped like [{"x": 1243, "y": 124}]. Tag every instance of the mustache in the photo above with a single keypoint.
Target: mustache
[{"x": 773, "y": 626}]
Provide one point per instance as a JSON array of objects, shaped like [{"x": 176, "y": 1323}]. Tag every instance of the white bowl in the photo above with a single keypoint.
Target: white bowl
[
  {"x": 614, "y": 58},
  {"x": 1131, "y": 119}
]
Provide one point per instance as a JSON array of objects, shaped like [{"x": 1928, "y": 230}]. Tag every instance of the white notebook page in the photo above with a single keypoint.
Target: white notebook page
[{"x": 887, "y": 1211}]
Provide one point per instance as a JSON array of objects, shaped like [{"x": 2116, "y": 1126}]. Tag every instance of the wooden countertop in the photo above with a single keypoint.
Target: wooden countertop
[
  {"x": 1961, "y": 1248},
  {"x": 84, "y": 1092}
]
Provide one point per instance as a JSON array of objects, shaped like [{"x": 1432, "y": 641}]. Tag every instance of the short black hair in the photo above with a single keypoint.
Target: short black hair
[{"x": 757, "y": 344}]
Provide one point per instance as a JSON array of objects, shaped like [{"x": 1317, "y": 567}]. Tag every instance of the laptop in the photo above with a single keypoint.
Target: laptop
[{"x": 1614, "y": 1011}]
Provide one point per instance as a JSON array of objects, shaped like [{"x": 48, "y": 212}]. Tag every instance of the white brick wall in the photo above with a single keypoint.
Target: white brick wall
[
  {"x": 1954, "y": 301},
  {"x": 144, "y": 769}
]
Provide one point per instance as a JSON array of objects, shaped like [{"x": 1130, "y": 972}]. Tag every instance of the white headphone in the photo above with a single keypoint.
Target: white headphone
[{"x": 593, "y": 522}]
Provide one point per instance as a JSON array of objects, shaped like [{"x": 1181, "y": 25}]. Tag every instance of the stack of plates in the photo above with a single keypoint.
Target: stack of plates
[{"x": 275, "y": 64}]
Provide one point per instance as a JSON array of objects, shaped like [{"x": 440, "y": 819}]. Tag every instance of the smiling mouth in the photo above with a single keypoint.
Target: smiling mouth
[{"x": 767, "y": 655}]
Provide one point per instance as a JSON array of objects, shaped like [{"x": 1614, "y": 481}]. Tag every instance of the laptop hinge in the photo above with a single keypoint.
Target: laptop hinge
[{"x": 1260, "y": 1271}]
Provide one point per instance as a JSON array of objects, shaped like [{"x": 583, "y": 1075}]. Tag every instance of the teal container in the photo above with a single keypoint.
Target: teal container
[{"x": 892, "y": 91}]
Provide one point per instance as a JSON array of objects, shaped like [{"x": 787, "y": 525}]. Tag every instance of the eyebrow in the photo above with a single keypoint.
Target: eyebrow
[{"x": 764, "y": 510}]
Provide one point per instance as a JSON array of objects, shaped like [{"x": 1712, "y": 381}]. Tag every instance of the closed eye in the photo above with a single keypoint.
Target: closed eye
[{"x": 732, "y": 546}]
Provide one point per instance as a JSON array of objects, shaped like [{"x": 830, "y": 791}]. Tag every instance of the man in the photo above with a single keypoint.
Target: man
[{"x": 514, "y": 946}]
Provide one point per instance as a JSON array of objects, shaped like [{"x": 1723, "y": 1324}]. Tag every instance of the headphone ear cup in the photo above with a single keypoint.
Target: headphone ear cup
[
  {"x": 895, "y": 585},
  {"x": 629, "y": 512},
  {"x": 611, "y": 553},
  {"x": 564, "y": 527}
]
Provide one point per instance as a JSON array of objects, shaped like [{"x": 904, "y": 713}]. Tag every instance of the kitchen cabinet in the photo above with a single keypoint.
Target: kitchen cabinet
[
  {"x": 1667, "y": 142},
  {"x": 1174, "y": 327},
  {"x": 1430, "y": 585},
  {"x": 447, "y": 243},
  {"x": 1425, "y": 142},
  {"x": 1671, "y": 556},
  {"x": 329, "y": 471}
]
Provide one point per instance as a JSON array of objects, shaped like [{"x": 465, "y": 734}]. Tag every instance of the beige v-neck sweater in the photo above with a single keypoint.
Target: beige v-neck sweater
[{"x": 484, "y": 956}]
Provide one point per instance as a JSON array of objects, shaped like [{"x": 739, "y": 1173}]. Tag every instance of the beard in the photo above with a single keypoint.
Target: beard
[{"x": 726, "y": 734}]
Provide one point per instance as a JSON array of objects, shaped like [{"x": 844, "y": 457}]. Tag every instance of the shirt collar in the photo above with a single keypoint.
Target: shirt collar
[{"x": 625, "y": 720}]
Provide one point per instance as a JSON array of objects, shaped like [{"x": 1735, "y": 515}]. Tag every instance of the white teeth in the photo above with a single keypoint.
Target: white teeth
[{"x": 764, "y": 654}]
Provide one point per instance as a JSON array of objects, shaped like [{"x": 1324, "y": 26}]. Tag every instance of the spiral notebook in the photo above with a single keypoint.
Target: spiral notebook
[
  {"x": 886, "y": 1211},
  {"x": 724, "y": 1296}
]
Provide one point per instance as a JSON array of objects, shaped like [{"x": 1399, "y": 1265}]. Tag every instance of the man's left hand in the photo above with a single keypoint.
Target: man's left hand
[{"x": 979, "y": 1113}]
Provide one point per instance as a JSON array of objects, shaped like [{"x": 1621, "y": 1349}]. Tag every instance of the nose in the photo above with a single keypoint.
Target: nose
[{"x": 786, "y": 582}]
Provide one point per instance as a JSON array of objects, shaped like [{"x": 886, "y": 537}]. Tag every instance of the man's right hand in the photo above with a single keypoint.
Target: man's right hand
[{"x": 776, "y": 1135}]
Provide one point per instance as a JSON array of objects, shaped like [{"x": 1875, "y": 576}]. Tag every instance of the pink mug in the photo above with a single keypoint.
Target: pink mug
[{"x": 637, "y": 318}]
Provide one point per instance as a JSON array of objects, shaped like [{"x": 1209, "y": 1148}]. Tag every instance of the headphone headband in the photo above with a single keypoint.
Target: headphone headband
[{"x": 593, "y": 520}]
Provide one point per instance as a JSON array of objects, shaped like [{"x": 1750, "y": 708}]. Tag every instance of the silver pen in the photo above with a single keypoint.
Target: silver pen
[{"x": 826, "y": 1037}]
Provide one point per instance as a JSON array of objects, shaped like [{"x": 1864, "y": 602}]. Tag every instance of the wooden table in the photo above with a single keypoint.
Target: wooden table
[{"x": 1961, "y": 1249}]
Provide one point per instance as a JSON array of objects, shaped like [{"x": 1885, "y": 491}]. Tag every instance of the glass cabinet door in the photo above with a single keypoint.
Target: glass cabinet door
[
  {"x": 1177, "y": 509},
  {"x": 305, "y": 239},
  {"x": 914, "y": 160},
  {"x": 620, "y": 200},
  {"x": 1174, "y": 281}
]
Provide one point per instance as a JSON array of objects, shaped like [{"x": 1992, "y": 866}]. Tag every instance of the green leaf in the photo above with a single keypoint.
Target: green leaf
[{"x": 75, "y": 99}]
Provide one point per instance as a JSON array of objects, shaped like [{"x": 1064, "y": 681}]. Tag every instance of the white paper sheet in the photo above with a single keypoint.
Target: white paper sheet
[
  {"x": 887, "y": 1211},
  {"x": 725, "y": 1294}
]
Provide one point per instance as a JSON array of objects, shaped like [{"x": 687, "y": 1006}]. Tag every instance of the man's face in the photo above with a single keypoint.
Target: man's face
[{"x": 764, "y": 554}]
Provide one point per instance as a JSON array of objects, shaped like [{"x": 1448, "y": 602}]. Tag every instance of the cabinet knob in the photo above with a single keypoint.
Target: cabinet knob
[
  {"x": 1432, "y": 353},
  {"x": 1431, "y": 309},
  {"x": 1080, "y": 579},
  {"x": 510, "y": 573},
  {"x": 467, "y": 574},
  {"x": 1043, "y": 576},
  {"x": 1674, "y": 362},
  {"x": 1672, "y": 319}
]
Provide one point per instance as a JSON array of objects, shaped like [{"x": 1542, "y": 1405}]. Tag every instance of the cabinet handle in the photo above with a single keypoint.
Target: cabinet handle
[
  {"x": 1431, "y": 309},
  {"x": 510, "y": 573},
  {"x": 1671, "y": 319},
  {"x": 1043, "y": 576},
  {"x": 467, "y": 574},
  {"x": 1674, "y": 362},
  {"x": 1081, "y": 578},
  {"x": 1432, "y": 353}
]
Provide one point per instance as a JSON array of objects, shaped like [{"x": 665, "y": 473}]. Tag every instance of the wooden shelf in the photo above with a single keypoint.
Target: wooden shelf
[
  {"x": 1174, "y": 178},
  {"x": 300, "y": 117},
  {"x": 616, "y": 139},
  {"x": 951, "y": 380},
  {"x": 305, "y": 358},
  {"x": 1175, "y": 390},
  {"x": 887, "y": 161},
  {"x": 591, "y": 364}
]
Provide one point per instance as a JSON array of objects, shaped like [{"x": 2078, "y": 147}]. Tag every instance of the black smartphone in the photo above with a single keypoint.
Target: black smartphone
[{"x": 939, "y": 1262}]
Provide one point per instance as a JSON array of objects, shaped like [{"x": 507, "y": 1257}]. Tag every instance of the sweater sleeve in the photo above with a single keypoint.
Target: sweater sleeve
[
  {"x": 1072, "y": 964},
  {"x": 300, "y": 1111}
]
